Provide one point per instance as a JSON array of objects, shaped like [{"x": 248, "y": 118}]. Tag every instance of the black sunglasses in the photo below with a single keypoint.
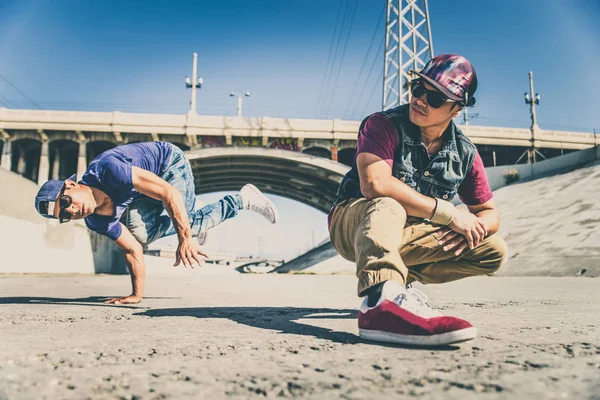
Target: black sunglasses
[
  {"x": 64, "y": 201},
  {"x": 434, "y": 98}
]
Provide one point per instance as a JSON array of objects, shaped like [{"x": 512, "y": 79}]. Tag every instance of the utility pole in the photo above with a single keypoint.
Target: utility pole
[
  {"x": 239, "y": 101},
  {"x": 532, "y": 100},
  {"x": 408, "y": 45},
  {"x": 194, "y": 83},
  {"x": 466, "y": 116}
]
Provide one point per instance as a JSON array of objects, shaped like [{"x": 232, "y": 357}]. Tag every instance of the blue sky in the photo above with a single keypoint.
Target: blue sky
[{"x": 133, "y": 56}]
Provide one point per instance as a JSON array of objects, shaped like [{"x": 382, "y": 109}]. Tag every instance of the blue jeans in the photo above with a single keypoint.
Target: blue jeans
[{"x": 147, "y": 220}]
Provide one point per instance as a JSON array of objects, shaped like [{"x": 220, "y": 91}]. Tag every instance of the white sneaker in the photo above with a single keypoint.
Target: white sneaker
[
  {"x": 421, "y": 298},
  {"x": 403, "y": 316},
  {"x": 253, "y": 199}
]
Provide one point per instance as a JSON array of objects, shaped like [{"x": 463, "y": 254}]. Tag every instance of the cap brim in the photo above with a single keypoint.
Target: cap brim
[{"x": 438, "y": 86}]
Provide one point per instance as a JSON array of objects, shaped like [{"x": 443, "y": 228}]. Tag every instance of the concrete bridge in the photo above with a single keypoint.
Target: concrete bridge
[
  {"x": 308, "y": 179},
  {"x": 40, "y": 144}
]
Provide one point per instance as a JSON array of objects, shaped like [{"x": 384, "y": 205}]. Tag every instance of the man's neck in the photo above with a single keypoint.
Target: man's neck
[
  {"x": 104, "y": 204},
  {"x": 430, "y": 134}
]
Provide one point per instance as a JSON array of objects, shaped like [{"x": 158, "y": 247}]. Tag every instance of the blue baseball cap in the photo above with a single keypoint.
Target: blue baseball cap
[{"x": 46, "y": 197}]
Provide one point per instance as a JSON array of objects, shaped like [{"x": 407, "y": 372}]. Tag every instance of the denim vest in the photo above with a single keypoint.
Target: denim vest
[{"x": 438, "y": 176}]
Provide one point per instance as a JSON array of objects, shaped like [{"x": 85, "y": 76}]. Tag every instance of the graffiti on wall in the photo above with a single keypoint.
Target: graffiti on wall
[
  {"x": 211, "y": 141},
  {"x": 284, "y": 144},
  {"x": 247, "y": 141}
]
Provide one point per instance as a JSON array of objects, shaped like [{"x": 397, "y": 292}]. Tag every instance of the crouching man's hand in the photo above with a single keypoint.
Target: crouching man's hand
[
  {"x": 466, "y": 231},
  {"x": 131, "y": 299}
]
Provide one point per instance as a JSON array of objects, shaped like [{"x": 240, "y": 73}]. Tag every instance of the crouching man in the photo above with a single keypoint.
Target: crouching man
[{"x": 393, "y": 216}]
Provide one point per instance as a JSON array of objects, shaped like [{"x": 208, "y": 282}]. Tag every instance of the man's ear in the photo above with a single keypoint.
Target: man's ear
[
  {"x": 69, "y": 184},
  {"x": 457, "y": 111}
]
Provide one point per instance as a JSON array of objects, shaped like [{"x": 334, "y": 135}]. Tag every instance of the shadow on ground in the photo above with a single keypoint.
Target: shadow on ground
[
  {"x": 283, "y": 319},
  {"x": 96, "y": 301}
]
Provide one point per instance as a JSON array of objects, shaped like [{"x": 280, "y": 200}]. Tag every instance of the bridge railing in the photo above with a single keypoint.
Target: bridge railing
[{"x": 193, "y": 124}]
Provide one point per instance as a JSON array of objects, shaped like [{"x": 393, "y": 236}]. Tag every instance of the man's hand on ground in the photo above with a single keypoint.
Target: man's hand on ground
[
  {"x": 131, "y": 299},
  {"x": 187, "y": 253},
  {"x": 465, "y": 231}
]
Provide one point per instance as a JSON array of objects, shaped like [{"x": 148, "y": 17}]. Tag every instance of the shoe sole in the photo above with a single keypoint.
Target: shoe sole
[
  {"x": 441, "y": 339},
  {"x": 267, "y": 200}
]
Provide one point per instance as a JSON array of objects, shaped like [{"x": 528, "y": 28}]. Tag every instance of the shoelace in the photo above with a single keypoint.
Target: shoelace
[
  {"x": 417, "y": 302},
  {"x": 419, "y": 295}
]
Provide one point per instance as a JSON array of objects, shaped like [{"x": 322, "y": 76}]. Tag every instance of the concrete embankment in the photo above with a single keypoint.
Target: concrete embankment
[
  {"x": 552, "y": 225},
  {"x": 30, "y": 243}
]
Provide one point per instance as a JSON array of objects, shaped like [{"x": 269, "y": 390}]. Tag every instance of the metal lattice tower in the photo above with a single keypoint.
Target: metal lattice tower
[{"x": 408, "y": 45}]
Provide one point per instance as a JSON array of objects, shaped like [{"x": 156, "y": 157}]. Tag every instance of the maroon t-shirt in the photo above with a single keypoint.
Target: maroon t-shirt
[{"x": 378, "y": 136}]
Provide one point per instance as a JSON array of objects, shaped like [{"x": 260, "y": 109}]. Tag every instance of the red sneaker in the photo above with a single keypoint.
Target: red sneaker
[{"x": 403, "y": 316}]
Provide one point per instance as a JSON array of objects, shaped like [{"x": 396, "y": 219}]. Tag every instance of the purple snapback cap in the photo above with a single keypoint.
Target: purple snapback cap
[{"x": 451, "y": 74}]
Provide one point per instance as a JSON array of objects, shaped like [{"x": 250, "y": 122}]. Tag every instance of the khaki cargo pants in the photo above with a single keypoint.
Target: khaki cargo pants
[{"x": 388, "y": 245}]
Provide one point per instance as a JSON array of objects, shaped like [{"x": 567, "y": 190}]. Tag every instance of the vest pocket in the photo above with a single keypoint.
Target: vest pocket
[
  {"x": 405, "y": 176},
  {"x": 442, "y": 192}
]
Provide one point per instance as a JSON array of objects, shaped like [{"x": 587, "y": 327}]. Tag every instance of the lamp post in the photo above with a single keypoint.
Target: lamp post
[
  {"x": 532, "y": 101},
  {"x": 239, "y": 102},
  {"x": 194, "y": 83}
]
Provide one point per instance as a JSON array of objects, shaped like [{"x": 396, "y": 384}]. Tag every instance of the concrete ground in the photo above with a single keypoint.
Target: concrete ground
[{"x": 215, "y": 334}]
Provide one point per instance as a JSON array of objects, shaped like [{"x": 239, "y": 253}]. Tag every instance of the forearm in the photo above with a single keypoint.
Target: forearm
[
  {"x": 491, "y": 220},
  {"x": 137, "y": 268},
  {"x": 175, "y": 206},
  {"x": 415, "y": 204}
]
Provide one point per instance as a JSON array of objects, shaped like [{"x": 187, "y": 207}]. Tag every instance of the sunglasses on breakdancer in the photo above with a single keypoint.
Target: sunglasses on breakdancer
[
  {"x": 434, "y": 98},
  {"x": 64, "y": 202}
]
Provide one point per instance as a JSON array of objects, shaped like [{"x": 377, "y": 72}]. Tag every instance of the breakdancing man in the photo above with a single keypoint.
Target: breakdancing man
[{"x": 139, "y": 182}]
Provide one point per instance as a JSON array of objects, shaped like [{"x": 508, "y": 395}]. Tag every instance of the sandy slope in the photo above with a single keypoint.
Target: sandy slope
[{"x": 552, "y": 225}]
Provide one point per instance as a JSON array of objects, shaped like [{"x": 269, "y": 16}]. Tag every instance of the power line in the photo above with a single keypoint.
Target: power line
[
  {"x": 329, "y": 55},
  {"x": 375, "y": 59},
  {"x": 337, "y": 76},
  {"x": 7, "y": 102},
  {"x": 335, "y": 55},
  {"x": 372, "y": 93},
  {"x": 377, "y": 25},
  {"x": 20, "y": 91}
]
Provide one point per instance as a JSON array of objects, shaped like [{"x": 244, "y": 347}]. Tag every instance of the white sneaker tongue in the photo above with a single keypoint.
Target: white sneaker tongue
[{"x": 410, "y": 301}]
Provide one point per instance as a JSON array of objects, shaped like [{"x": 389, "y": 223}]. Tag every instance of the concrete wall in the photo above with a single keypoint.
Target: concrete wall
[
  {"x": 31, "y": 243},
  {"x": 543, "y": 168}
]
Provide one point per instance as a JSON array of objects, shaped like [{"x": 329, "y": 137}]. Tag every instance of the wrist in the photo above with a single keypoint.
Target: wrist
[
  {"x": 443, "y": 212},
  {"x": 184, "y": 235}
]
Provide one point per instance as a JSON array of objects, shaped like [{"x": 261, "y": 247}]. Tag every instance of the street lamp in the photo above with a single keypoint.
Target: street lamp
[
  {"x": 239, "y": 102},
  {"x": 188, "y": 82},
  {"x": 194, "y": 83}
]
